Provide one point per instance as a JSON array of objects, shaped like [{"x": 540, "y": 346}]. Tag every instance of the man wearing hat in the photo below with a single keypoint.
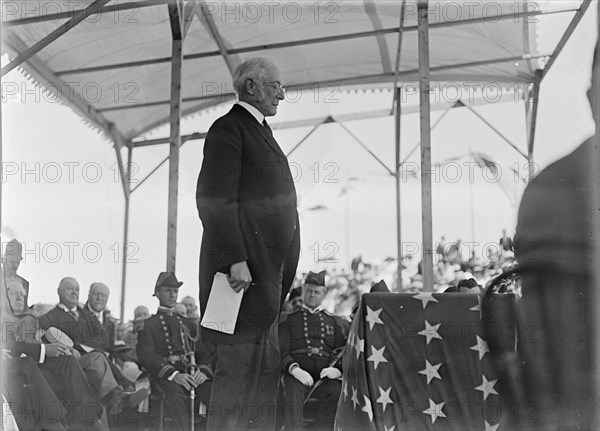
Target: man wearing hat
[
  {"x": 296, "y": 299},
  {"x": 13, "y": 256},
  {"x": 310, "y": 339},
  {"x": 169, "y": 348}
]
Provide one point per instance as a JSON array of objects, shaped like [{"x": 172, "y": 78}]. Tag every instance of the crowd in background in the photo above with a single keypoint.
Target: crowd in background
[
  {"x": 454, "y": 271},
  {"x": 452, "y": 266}
]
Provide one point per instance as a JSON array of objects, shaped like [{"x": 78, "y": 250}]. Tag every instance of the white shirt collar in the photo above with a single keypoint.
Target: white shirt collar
[
  {"x": 98, "y": 314},
  {"x": 253, "y": 110},
  {"x": 67, "y": 309},
  {"x": 311, "y": 311}
]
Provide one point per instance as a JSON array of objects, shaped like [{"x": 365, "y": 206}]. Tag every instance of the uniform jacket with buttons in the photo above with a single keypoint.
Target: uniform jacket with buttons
[
  {"x": 309, "y": 339},
  {"x": 160, "y": 342}
]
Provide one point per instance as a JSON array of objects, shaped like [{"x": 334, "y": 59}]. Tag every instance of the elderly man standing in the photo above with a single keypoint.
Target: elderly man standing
[
  {"x": 89, "y": 340},
  {"x": 246, "y": 200}
]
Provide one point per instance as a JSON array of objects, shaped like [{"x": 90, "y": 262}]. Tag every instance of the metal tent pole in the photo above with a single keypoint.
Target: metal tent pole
[
  {"x": 127, "y": 184},
  {"x": 426, "y": 201},
  {"x": 531, "y": 108},
  {"x": 397, "y": 118}
]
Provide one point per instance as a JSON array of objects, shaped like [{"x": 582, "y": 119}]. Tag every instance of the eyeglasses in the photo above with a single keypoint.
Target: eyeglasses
[{"x": 276, "y": 85}]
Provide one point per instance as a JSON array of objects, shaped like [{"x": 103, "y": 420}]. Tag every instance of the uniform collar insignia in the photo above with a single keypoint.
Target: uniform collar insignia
[
  {"x": 312, "y": 311},
  {"x": 166, "y": 310}
]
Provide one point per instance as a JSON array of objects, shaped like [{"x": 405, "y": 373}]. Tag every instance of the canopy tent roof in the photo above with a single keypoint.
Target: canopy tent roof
[
  {"x": 114, "y": 66},
  {"x": 118, "y": 65}
]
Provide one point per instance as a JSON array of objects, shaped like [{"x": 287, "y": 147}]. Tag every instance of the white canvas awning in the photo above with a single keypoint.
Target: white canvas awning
[
  {"x": 128, "y": 67},
  {"x": 114, "y": 66}
]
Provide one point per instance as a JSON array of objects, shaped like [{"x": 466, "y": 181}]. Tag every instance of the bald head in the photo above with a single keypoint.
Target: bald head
[
  {"x": 190, "y": 305},
  {"x": 180, "y": 309},
  {"x": 68, "y": 292},
  {"x": 141, "y": 312},
  {"x": 98, "y": 296}
]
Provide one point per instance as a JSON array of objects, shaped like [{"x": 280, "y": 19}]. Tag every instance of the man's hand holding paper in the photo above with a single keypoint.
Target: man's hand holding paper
[
  {"x": 240, "y": 277},
  {"x": 223, "y": 305}
]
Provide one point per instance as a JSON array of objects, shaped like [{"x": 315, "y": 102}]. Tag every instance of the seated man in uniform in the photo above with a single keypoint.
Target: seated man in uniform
[
  {"x": 91, "y": 341},
  {"x": 309, "y": 340},
  {"x": 168, "y": 347}
]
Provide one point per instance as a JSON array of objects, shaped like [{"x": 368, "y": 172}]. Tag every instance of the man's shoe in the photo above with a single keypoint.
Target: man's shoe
[
  {"x": 112, "y": 398},
  {"x": 129, "y": 399}
]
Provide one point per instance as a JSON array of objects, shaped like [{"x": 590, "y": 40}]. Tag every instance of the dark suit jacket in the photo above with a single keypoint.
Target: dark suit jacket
[
  {"x": 25, "y": 284},
  {"x": 247, "y": 203},
  {"x": 109, "y": 325},
  {"x": 87, "y": 330},
  {"x": 17, "y": 348}
]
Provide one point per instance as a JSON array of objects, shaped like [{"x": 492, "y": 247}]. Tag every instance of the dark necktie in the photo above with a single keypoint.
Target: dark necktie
[
  {"x": 74, "y": 314},
  {"x": 267, "y": 128}
]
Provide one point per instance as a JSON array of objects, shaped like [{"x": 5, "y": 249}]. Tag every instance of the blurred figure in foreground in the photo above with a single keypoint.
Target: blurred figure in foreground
[{"x": 556, "y": 246}]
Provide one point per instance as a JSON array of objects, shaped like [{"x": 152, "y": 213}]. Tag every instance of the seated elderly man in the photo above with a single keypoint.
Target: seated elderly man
[
  {"x": 133, "y": 328},
  {"x": 117, "y": 348},
  {"x": 96, "y": 304},
  {"x": 309, "y": 339},
  {"x": 191, "y": 307},
  {"x": 90, "y": 340},
  {"x": 58, "y": 374}
]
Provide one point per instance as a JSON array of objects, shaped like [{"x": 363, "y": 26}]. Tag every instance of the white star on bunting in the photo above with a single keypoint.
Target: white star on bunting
[
  {"x": 373, "y": 317},
  {"x": 359, "y": 345},
  {"x": 390, "y": 429},
  {"x": 367, "y": 408},
  {"x": 435, "y": 410},
  {"x": 490, "y": 427},
  {"x": 384, "y": 397},
  {"x": 345, "y": 388},
  {"x": 425, "y": 297},
  {"x": 430, "y": 331},
  {"x": 487, "y": 387},
  {"x": 481, "y": 347},
  {"x": 354, "y": 397},
  {"x": 478, "y": 306},
  {"x": 376, "y": 356},
  {"x": 431, "y": 371}
]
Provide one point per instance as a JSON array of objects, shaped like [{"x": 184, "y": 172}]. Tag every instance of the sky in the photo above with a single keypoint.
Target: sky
[{"x": 62, "y": 197}]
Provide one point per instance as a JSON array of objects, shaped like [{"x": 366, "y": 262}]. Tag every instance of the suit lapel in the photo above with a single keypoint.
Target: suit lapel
[{"x": 264, "y": 133}]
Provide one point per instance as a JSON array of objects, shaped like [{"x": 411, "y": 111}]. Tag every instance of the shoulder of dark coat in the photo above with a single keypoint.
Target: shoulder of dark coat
[
  {"x": 285, "y": 317},
  {"x": 152, "y": 320}
]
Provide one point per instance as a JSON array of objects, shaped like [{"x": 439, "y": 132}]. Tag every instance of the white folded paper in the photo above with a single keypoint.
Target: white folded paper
[{"x": 223, "y": 306}]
